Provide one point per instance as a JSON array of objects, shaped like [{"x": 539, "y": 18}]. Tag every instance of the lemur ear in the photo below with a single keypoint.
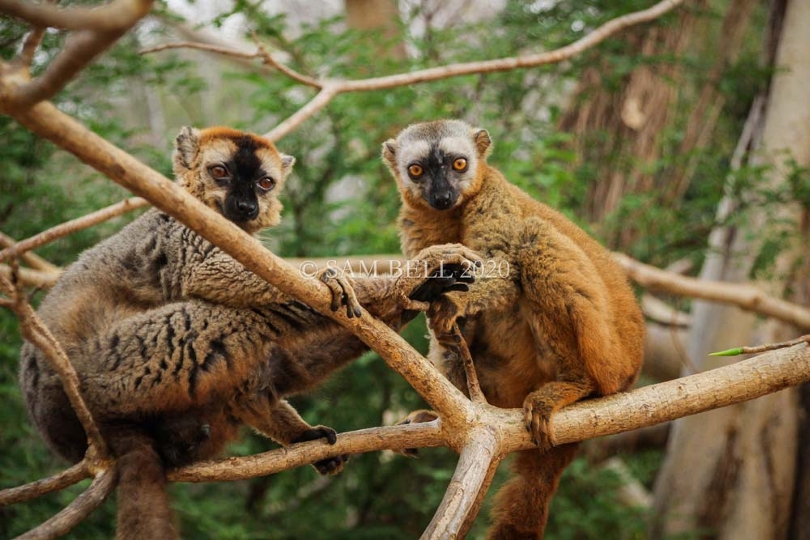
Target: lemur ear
[
  {"x": 389, "y": 152},
  {"x": 187, "y": 144},
  {"x": 482, "y": 142},
  {"x": 287, "y": 163}
]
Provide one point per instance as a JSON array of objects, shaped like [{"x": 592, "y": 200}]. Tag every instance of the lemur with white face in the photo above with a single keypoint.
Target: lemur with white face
[{"x": 562, "y": 326}]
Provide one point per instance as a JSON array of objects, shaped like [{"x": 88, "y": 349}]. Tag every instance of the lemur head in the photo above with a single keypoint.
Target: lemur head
[
  {"x": 238, "y": 174},
  {"x": 439, "y": 164}
]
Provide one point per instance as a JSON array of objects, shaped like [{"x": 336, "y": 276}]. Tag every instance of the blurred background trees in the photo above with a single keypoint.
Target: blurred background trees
[{"x": 669, "y": 143}]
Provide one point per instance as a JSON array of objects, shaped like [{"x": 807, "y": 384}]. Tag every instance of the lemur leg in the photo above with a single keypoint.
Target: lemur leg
[
  {"x": 278, "y": 420},
  {"x": 178, "y": 357},
  {"x": 520, "y": 509}
]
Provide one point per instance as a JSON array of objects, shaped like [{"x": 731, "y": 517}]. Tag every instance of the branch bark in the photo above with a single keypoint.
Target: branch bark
[
  {"x": 68, "y": 477},
  {"x": 77, "y": 511}
]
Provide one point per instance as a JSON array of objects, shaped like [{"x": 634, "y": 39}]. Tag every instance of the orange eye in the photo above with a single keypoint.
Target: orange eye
[
  {"x": 415, "y": 171},
  {"x": 460, "y": 164},
  {"x": 267, "y": 183},
  {"x": 219, "y": 172}
]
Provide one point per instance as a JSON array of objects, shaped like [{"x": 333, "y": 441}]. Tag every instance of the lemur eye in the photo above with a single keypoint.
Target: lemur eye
[
  {"x": 267, "y": 183},
  {"x": 219, "y": 172},
  {"x": 460, "y": 164},
  {"x": 415, "y": 171}
]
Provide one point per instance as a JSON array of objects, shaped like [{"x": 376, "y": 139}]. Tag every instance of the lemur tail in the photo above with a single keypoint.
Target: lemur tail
[{"x": 143, "y": 502}]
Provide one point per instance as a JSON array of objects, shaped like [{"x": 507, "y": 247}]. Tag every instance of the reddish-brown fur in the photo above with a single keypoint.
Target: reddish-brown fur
[{"x": 564, "y": 325}]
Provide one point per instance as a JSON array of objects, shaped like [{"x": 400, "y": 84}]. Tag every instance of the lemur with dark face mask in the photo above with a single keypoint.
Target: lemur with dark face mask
[{"x": 176, "y": 344}]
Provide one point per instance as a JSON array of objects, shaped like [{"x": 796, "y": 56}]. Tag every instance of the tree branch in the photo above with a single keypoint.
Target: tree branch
[
  {"x": 35, "y": 331},
  {"x": 79, "y": 50},
  {"x": 747, "y": 297},
  {"x": 72, "y": 226},
  {"x": 646, "y": 406},
  {"x": 31, "y": 259},
  {"x": 77, "y": 511},
  {"x": 68, "y": 477},
  {"x": 113, "y": 16}
]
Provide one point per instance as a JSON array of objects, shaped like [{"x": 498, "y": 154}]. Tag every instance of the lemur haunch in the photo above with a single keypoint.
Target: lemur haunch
[
  {"x": 575, "y": 329},
  {"x": 176, "y": 344}
]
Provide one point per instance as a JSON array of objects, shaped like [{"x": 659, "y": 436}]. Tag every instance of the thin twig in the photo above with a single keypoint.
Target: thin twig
[
  {"x": 33, "y": 260},
  {"x": 72, "y": 226},
  {"x": 331, "y": 88},
  {"x": 77, "y": 511},
  {"x": 66, "y": 478},
  {"x": 473, "y": 386},
  {"x": 763, "y": 348},
  {"x": 29, "y": 48},
  {"x": 225, "y": 51}
]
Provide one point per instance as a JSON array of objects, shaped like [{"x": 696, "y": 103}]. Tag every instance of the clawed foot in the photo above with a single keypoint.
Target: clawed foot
[
  {"x": 342, "y": 292},
  {"x": 328, "y": 466},
  {"x": 443, "y": 314},
  {"x": 416, "y": 417},
  {"x": 436, "y": 270},
  {"x": 537, "y": 417}
]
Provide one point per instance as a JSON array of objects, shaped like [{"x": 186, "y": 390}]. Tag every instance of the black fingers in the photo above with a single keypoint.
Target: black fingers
[{"x": 317, "y": 432}]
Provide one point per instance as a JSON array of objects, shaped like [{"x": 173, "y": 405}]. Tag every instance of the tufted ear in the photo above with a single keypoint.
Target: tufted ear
[
  {"x": 389, "y": 152},
  {"x": 482, "y": 142},
  {"x": 287, "y": 163},
  {"x": 187, "y": 144}
]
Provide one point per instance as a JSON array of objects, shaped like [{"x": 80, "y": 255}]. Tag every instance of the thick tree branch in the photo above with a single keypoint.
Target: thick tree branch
[
  {"x": 747, "y": 297},
  {"x": 113, "y": 16},
  {"x": 80, "y": 49},
  {"x": 646, "y": 406}
]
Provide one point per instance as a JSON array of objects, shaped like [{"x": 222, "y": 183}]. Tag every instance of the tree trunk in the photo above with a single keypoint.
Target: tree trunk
[
  {"x": 730, "y": 473},
  {"x": 381, "y": 15}
]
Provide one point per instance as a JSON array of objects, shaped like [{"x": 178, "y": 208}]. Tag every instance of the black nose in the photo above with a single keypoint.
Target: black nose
[
  {"x": 247, "y": 209},
  {"x": 442, "y": 201}
]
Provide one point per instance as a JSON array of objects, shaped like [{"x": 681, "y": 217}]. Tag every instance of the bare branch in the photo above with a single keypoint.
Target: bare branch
[
  {"x": 330, "y": 89},
  {"x": 647, "y": 406},
  {"x": 77, "y": 511},
  {"x": 81, "y": 47},
  {"x": 216, "y": 49},
  {"x": 321, "y": 100},
  {"x": 476, "y": 466},
  {"x": 32, "y": 278},
  {"x": 473, "y": 386},
  {"x": 68, "y": 477},
  {"x": 31, "y": 259},
  {"x": 747, "y": 297},
  {"x": 35, "y": 331},
  {"x": 72, "y": 226},
  {"x": 113, "y": 16},
  {"x": 29, "y": 48},
  {"x": 356, "y": 442}
]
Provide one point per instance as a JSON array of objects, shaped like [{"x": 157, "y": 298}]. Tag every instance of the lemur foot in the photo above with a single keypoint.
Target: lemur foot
[
  {"x": 416, "y": 417},
  {"x": 342, "y": 290},
  {"x": 436, "y": 270},
  {"x": 537, "y": 413},
  {"x": 328, "y": 466}
]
